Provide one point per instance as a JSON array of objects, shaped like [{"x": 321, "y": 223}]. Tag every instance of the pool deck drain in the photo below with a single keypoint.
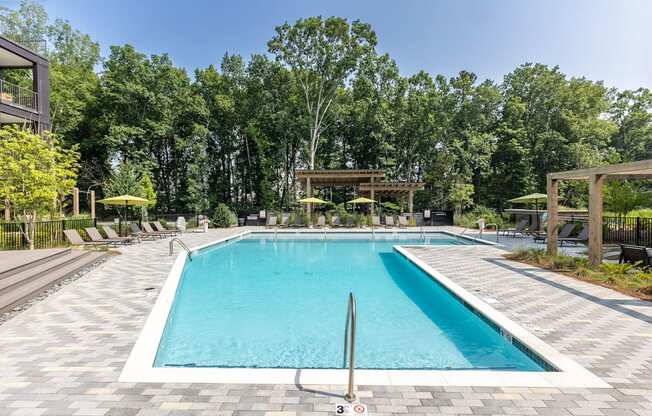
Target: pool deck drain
[{"x": 64, "y": 355}]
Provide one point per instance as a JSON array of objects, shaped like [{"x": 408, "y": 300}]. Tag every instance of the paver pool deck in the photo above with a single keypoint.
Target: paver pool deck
[{"x": 63, "y": 356}]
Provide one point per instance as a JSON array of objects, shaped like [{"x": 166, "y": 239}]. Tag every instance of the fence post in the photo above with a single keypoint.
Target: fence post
[{"x": 638, "y": 231}]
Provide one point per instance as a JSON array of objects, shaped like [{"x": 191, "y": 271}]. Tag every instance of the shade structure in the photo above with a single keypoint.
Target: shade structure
[
  {"x": 312, "y": 200},
  {"x": 362, "y": 200},
  {"x": 529, "y": 199},
  {"x": 124, "y": 200}
]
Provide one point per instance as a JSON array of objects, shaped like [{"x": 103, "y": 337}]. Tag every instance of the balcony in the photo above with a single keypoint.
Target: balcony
[{"x": 16, "y": 96}]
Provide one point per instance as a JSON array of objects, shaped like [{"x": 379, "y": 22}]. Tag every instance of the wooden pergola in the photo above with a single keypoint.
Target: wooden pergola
[
  {"x": 363, "y": 180},
  {"x": 399, "y": 189},
  {"x": 596, "y": 177}
]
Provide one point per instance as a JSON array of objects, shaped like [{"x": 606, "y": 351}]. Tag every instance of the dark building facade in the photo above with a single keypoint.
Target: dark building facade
[{"x": 19, "y": 104}]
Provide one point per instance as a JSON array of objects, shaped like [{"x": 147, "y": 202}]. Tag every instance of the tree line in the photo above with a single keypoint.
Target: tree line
[{"x": 322, "y": 97}]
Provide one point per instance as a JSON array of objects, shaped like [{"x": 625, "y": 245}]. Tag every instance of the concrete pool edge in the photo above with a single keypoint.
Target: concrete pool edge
[{"x": 139, "y": 365}]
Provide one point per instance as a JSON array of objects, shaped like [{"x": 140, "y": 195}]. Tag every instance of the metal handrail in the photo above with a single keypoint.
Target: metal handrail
[
  {"x": 182, "y": 244},
  {"x": 18, "y": 96},
  {"x": 495, "y": 225},
  {"x": 349, "y": 346}
]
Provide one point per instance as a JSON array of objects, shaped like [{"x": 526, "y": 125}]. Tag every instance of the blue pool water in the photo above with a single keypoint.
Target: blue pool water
[{"x": 260, "y": 302}]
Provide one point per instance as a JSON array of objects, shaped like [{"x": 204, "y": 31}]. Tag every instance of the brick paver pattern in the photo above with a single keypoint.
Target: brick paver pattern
[{"x": 63, "y": 356}]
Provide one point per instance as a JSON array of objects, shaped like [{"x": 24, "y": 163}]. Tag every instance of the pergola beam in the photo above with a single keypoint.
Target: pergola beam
[{"x": 641, "y": 169}]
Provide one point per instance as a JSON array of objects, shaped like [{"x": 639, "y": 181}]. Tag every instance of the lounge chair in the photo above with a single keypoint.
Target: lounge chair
[
  {"x": 530, "y": 231},
  {"x": 136, "y": 231},
  {"x": 97, "y": 237},
  {"x": 271, "y": 221},
  {"x": 148, "y": 229},
  {"x": 375, "y": 221},
  {"x": 634, "y": 255},
  {"x": 518, "y": 229},
  {"x": 285, "y": 220},
  {"x": 159, "y": 227},
  {"x": 335, "y": 221},
  {"x": 565, "y": 232},
  {"x": 321, "y": 221},
  {"x": 76, "y": 240},
  {"x": 389, "y": 221},
  {"x": 110, "y": 233},
  {"x": 582, "y": 237},
  {"x": 402, "y": 221},
  {"x": 298, "y": 221}
]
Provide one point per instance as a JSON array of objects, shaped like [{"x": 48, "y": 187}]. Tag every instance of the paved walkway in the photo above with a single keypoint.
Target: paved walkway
[{"x": 63, "y": 356}]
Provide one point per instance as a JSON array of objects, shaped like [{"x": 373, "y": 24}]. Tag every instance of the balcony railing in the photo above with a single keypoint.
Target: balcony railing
[
  {"x": 36, "y": 45},
  {"x": 18, "y": 96}
]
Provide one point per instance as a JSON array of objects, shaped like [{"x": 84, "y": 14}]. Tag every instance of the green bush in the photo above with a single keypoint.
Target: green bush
[
  {"x": 470, "y": 219},
  {"x": 223, "y": 217}
]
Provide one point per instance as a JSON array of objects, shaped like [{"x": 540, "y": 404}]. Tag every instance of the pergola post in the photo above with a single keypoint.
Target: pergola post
[
  {"x": 411, "y": 203},
  {"x": 595, "y": 219},
  {"x": 371, "y": 195},
  {"x": 402, "y": 199},
  {"x": 92, "y": 204},
  {"x": 553, "y": 214},
  {"x": 309, "y": 194},
  {"x": 75, "y": 201}
]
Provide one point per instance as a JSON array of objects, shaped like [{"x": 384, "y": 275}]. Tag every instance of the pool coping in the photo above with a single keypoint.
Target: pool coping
[{"x": 139, "y": 365}]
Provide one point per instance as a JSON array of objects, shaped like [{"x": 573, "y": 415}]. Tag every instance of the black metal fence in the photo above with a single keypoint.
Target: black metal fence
[
  {"x": 624, "y": 230},
  {"x": 47, "y": 234}
]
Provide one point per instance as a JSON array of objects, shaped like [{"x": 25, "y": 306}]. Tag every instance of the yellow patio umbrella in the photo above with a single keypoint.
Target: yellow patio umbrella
[
  {"x": 531, "y": 199},
  {"x": 126, "y": 201},
  {"x": 311, "y": 200},
  {"x": 362, "y": 200}
]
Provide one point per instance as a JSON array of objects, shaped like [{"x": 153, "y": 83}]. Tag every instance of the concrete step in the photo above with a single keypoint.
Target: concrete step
[
  {"x": 16, "y": 261},
  {"x": 45, "y": 278},
  {"x": 23, "y": 277}
]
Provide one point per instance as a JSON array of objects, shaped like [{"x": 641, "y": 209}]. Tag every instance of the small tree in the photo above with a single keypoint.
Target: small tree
[
  {"x": 147, "y": 191},
  {"x": 223, "y": 217},
  {"x": 461, "y": 196},
  {"x": 623, "y": 197},
  {"x": 33, "y": 172}
]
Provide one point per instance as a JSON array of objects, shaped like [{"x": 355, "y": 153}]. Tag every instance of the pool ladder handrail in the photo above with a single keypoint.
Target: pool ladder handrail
[
  {"x": 349, "y": 346},
  {"x": 487, "y": 226},
  {"x": 183, "y": 246}
]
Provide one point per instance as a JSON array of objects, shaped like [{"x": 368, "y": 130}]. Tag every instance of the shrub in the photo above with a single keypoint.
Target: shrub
[{"x": 223, "y": 217}]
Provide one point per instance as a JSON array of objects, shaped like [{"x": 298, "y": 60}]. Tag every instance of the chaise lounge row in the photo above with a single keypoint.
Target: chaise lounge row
[
  {"x": 112, "y": 238},
  {"x": 336, "y": 222}
]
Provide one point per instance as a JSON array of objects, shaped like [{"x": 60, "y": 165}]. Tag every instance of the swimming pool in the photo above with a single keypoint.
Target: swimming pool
[{"x": 279, "y": 301}]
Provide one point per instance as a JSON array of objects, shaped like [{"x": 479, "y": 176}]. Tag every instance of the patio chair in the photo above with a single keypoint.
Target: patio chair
[
  {"x": 335, "y": 221},
  {"x": 110, "y": 233},
  {"x": 389, "y": 221},
  {"x": 565, "y": 232},
  {"x": 159, "y": 227},
  {"x": 298, "y": 221},
  {"x": 518, "y": 229},
  {"x": 321, "y": 221},
  {"x": 136, "y": 231},
  {"x": 527, "y": 232},
  {"x": 582, "y": 237},
  {"x": 75, "y": 239},
  {"x": 148, "y": 229},
  {"x": 349, "y": 222},
  {"x": 285, "y": 220},
  {"x": 402, "y": 221},
  {"x": 634, "y": 255},
  {"x": 271, "y": 221},
  {"x": 375, "y": 221},
  {"x": 97, "y": 237}
]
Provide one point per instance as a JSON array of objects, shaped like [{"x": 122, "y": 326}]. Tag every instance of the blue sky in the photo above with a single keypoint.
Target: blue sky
[{"x": 609, "y": 40}]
